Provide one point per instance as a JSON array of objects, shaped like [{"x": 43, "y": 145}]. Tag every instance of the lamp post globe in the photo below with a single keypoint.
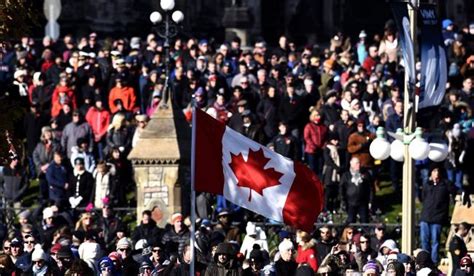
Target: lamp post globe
[
  {"x": 155, "y": 17},
  {"x": 438, "y": 152},
  {"x": 167, "y": 5},
  {"x": 177, "y": 17},
  {"x": 397, "y": 151},
  {"x": 419, "y": 148},
  {"x": 380, "y": 147}
]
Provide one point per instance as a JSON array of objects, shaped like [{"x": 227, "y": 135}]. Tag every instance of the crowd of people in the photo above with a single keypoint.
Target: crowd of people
[{"x": 85, "y": 102}]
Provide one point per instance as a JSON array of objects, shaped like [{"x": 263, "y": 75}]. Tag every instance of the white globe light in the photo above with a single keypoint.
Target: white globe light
[
  {"x": 438, "y": 152},
  {"x": 167, "y": 5},
  {"x": 177, "y": 17},
  {"x": 419, "y": 149},
  {"x": 155, "y": 17},
  {"x": 397, "y": 151},
  {"x": 380, "y": 149}
]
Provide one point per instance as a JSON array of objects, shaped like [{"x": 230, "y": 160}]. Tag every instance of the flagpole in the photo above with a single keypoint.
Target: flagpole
[{"x": 193, "y": 194}]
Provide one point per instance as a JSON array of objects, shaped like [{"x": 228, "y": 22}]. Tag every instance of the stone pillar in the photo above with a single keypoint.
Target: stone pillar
[
  {"x": 237, "y": 21},
  {"x": 158, "y": 163}
]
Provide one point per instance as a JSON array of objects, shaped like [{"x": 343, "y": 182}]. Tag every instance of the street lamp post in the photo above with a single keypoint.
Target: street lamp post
[{"x": 167, "y": 28}]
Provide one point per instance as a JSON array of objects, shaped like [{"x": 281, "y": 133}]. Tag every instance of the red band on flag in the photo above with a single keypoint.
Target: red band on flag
[
  {"x": 305, "y": 199},
  {"x": 209, "y": 175}
]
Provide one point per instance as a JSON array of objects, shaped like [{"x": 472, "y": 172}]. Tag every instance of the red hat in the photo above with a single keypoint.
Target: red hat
[{"x": 55, "y": 248}]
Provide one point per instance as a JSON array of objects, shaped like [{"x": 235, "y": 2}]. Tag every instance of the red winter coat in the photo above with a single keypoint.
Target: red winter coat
[
  {"x": 314, "y": 137},
  {"x": 126, "y": 94},
  {"x": 99, "y": 121},
  {"x": 56, "y": 105},
  {"x": 307, "y": 256}
]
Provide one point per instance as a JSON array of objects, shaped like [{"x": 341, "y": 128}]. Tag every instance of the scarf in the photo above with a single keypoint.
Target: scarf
[
  {"x": 356, "y": 177},
  {"x": 335, "y": 158},
  {"x": 40, "y": 271},
  {"x": 22, "y": 89}
]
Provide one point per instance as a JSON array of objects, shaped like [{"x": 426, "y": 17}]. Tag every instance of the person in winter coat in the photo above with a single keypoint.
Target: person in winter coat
[
  {"x": 435, "y": 211},
  {"x": 62, "y": 94},
  {"x": 57, "y": 177},
  {"x": 456, "y": 146},
  {"x": 81, "y": 191},
  {"x": 98, "y": 119},
  {"x": 267, "y": 112},
  {"x": 147, "y": 229},
  {"x": 255, "y": 235},
  {"x": 123, "y": 92},
  {"x": 315, "y": 138},
  {"x": 122, "y": 180},
  {"x": 82, "y": 151},
  {"x": 75, "y": 130},
  {"x": 355, "y": 192},
  {"x": 331, "y": 172},
  {"x": 284, "y": 143},
  {"x": 358, "y": 145},
  {"x": 119, "y": 135},
  {"x": 286, "y": 265},
  {"x": 103, "y": 179},
  {"x": 224, "y": 262},
  {"x": 32, "y": 124},
  {"x": 177, "y": 236},
  {"x": 291, "y": 109},
  {"x": 42, "y": 157},
  {"x": 15, "y": 182},
  {"x": 306, "y": 253}
]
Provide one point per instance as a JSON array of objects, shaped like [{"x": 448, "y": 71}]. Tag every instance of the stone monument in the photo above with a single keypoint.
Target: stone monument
[{"x": 161, "y": 164}]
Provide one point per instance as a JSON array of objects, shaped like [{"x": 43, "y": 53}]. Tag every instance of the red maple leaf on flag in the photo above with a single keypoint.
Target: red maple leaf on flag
[{"x": 251, "y": 173}]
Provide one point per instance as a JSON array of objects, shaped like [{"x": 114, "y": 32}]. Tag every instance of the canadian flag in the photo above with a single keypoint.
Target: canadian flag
[{"x": 253, "y": 176}]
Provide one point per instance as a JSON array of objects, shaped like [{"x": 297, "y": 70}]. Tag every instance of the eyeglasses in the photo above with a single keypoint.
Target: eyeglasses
[
  {"x": 363, "y": 242},
  {"x": 124, "y": 249},
  {"x": 29, "y": 242},
  {"x": 6, "y": 248},
  {"x": 156, "y": 250}
]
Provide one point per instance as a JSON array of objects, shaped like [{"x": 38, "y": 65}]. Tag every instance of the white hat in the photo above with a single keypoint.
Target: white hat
[
  {"x": 362, "y": 34},
  {"x": 141, "y": 244},
  {"x": 124, "y": 243},
  {"x": 48, "y": 213},
  {"x": 285, "y": 245},
  {"x": 19, "y": 73},
  {"x": 38, "y": 254}
]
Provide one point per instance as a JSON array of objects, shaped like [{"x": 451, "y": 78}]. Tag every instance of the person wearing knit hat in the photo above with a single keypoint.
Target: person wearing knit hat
[
  {"x": 465, "y": 266},
  {"x": 286, "y": 265},
  {"x": 124, "y": 248},
  {"x": 177, "y": 234},
  {"x": 106, "y": 266},
  {"x": 371, "y": 268},
  {"x": 39, "y": 260}
]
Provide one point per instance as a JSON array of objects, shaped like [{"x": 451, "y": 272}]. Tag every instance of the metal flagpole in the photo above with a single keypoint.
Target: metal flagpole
[{"x": 193, "y": 195}]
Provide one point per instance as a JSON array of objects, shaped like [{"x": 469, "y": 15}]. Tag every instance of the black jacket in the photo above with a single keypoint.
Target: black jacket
[
  {"x": 355, "y": 195},
  {"x": 86, "y": 187},
  {"x": 283, "y": 268},
  {"x": 436, "y": 202}
]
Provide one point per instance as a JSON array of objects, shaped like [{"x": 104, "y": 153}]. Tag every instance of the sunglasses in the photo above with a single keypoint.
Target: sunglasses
[
  {"x": 124, "y": 249},
  {"x": 363, "y": 241},
  {"x": 6, "y": 248},
  {"x": 156, "y": 250},
  {"x": 29, "y": 242}
]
